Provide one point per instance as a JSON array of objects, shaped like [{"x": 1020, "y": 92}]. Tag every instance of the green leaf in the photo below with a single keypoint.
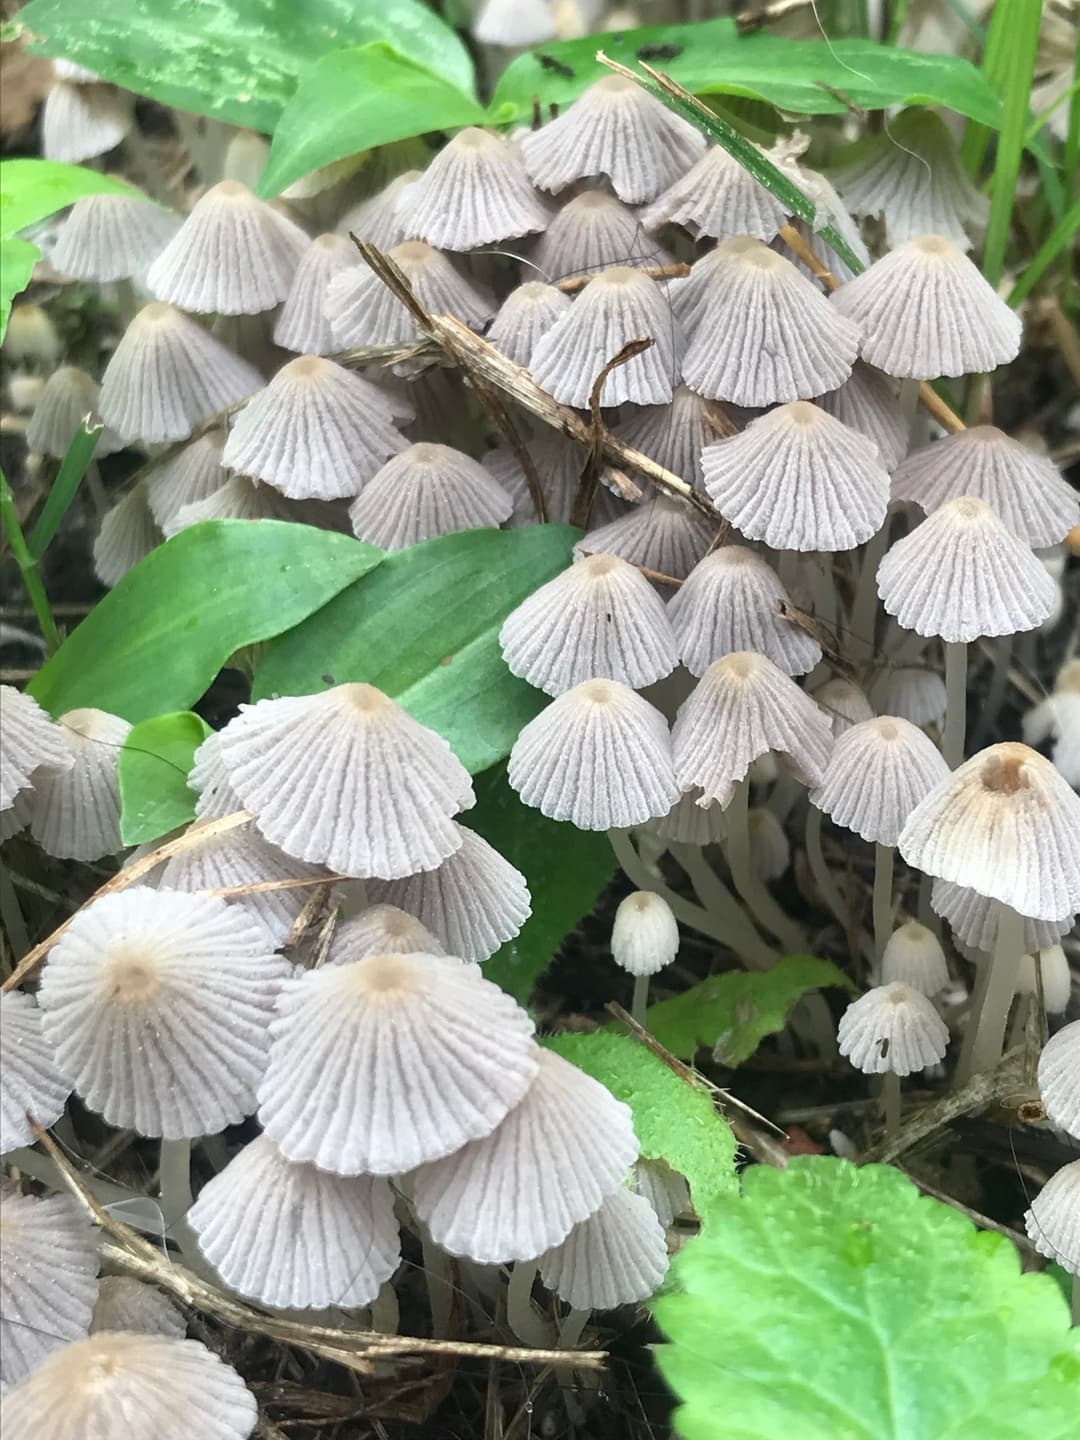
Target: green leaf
[
  {"x": 62, "y": 491},
  {"x": 833, "y": 1302},
  {"x": 566, "y": 869},
  {"x": 353, "y": 100},
  {"x": 32, "y": 189},
  {"x": 154, "y": 766},
  {"x": 673, "y": 1121},
  {"x": 17, "y": 261},
  {"x": 237, "y": 60},
  {"x": 735, "y": 1011},
  {"x": 156, "y": 641},
  {"x": 424, "y": 627}
]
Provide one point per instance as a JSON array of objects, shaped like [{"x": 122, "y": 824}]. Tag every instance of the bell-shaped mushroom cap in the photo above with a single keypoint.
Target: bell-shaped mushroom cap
[
  {"x": 294, "y": 1237},
  {"x": 1053, "y": 1220},
  {"x": 673, "y": 435},
  {"x": 514, "y": 23},
  {"x": 925, "y": 310},
  {"x": 892, "y": 1029},
  {"x": 240, "y": 498},
  {"x": 317, "y": 432},
  {"x": 349, "y": 780},
  {"x": 362, "y": 311},
  {"x": 914, "y": 694},
  {"x": 616, "y": 129},
  {"x": 167, "y": 374},
  {"x": 645, "y": 934},
  {"x": 81, "y": 121},
  {"x": 962, "y": 574},
  {"x": 688, "y": 823},
  {"x": 380, "y": 218},
  {"x": 664, "y": 1188},
  {"x": 742, "y": 707},
  {"x": 974, "y": 919},
  {"x": 302, "y": 325},
  {"x": 112, "y": 237},
  {"x": 663, "y": 534},
  {"x": 544, "y": 1169},
  {"x": 76, "y": 812},
  {"x": 617, "y": 1256},
  {"x": 867, "y": 402},
  {"x": 209, "y": 779},
  {"x": 382, "y": 1065},
  {"x": 191, "y": 475},
  {"x": 1054, "y": 974},
  {"x": 1025, "y": 490},
  {"x": 233, "y": 255},
  {"x": 143, "y": 1387},
  {"x": 1059, "y": 1079},
  {"x": 1057, "y": 718},
  {"x": 474, "y": 901},
  {"x": 591, "y": 232},
  {"x": 599, "y": 756},
  {"x": 598, "y": 619},
  {"x": 31, "y": 1083},
  {"x": 427, "y": 490},
  {"x": 158, "y": 1005},
  {"x": 525, "y": 315},
  {"x": 878, "y": 771},
  {"x": 799, "y": 480},
  {"x": 30, "y": 743},
  {"x": 1007, "y": 825},
  {"x": 717, "y": 197},
  {"x": 127, "y": 535},
  {"x": 732, "y": 601},
  {"x": 759, "y": 332},
  {"x": 474, "y": 191},
  {"x": 620, "y": 305},
  {"x": 383, "y": 929},
  {"x": 844, "y": 703},
  {"x": 126, "y": 1304},
  {"x": 68, "y": 397},
  {"x": 913, "y": 956},
  {"x": 48, "y": 1282}
]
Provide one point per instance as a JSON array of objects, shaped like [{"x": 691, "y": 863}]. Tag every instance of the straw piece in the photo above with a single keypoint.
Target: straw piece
[
  {"x": 192, "y": 475},
  {"x": 30, "y": 742},
  {"x": 76, "y": 811},
  {"x": 475, "y": 191},
  {"x": 559, "y": 462},
  {"x": 673, "y": 435},
  {"x": 879, "y": 770},
  {"x": 591, "y": 232},
  {"x": 130, "y": 1305},
  {"x": 717, "y": 198},
  {"x": 382, "y": 929},
  {"x": 1059, "y": 1079},
  {"x": 617, "y": 1256},
  {"x": 362, "y": 311},
  {"x": 427, "y": 490},
  {"x": 867, "y": 402},
  {"x": 302, "y": 325},
  {"x": 526, "y": 314},
  {"x": 82, "y": 121},
  {"x": 664, "y": 534},
  {"x": 112, "y": 237},
  {"x": 31, "y": 1083},
  {"x": 974, "y": 919},
  {"x": 127, "y": 535},
  {"x": 892, "y": 1029}
]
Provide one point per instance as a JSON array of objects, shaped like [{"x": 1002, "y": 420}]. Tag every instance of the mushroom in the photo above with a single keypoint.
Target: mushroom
[
  {"x": 382, "y": 929},
  {"x": 191, "y": 475},
  {"x": 1059, "y": 1079},
  {"x": 31, "y": 745},
  {"x": 526, "y": 315},
  {"x": 32, "y": 1085},
  {"x": 75, "y": 813},
  {"x": 112, "y": 237},
  {"x": 913, "y": 956},
  {"x": 362, "y": 311},
  {"x": 474, "y": 192},
  {"x": 644, "y": 938},
  {"x": 673, "y": 435},
  {"x": 590, "y": 232},
  {"x": 718, "y": 198},
  {"x": 616, "y": 1256},
  {"x": 127, "y": 535},
  {"x": 867, "y": 402},
  {"x": 302, "y": 325},
  {"x": 68, "y": 398},
  {"x": 124, "y": 1303},
  {"x": 665, "y": 535},
  {"x": 892, "y": 1030},
  {"x": 425, "y": 491}
]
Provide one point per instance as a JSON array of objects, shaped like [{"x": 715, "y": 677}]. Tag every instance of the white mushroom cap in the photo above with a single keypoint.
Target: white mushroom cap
[
  {"x": 1053, "y": 1220},
  {"x": 382, "y": 929},
  {"x": 81, "y": 121},
  {"x": 514, "y": 23},
  {"x": 76, "y": 812},
  {"x": 302, "y": 325},
  {"x": 1058, "y": 718},
  {"x": 974, "y": 919},
  {"x": 558, "y": 462},
  {"x": 127, "y": 535},
  {"x": 1059, "y": 1079},
  {"x": 193, "y": 474},
  {"x": 525, "y": 315},
  {"x": 892, "y": 1029},
  {"x": 31, "y": 1082},
  {"x": 1056, "y": 977},
  {"x": 867, "y": 402},
  {"x": 30, "y": 742},
  {"x": 209, "y": 779},
  {"x": 112, "y": 237},
  {"x": 915, "y": 695},
  {"x": 664, "y": 1188},
  {"x": 617, "y": 1256},
  {"x": 913, "y": 956},
  {"x": 663, "y": 534},
  {"x": 844, "y": 703},
  {"x": 389, "y": 1062},
  {"x": 591, "y": 232},
  {"x": 877, "y": 773},
  {"x": 689, "y": 823},
  {"x": 362, "y": 311},
  {"x": 475, "y": 191},
  {"x": 645, "y": 934},
  {"x": 770, "y": 852},
  {"x": 717, "y": 197},
  {"x": 68, "y": 397},
  {"x": 240, "y": 498},
  {"x": 126, "y": 1304},
  {"x": 673, "y": 435},
  {"x": 380, "y": 218},
  {"x": 425, "y": 491}
]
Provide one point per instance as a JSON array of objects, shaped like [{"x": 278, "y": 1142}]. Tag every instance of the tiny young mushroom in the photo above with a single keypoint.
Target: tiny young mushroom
[
  {"x": 892, "y": 1030},
  {"x": 644, "y": 938},
  {"x": 913, "y": 956}
]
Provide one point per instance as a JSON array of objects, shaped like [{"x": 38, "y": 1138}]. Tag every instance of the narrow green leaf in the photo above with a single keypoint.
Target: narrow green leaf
[
  {"x": 32, "y": 189},
  {"x": 1013, "y": 74},
  {"x": 68, "y": 479},
  {"x": 17, "y": 261},
  {"x": 156, "y": 641},
  {"x": 154, "y": 766},
  {"x": 1056, "y": 243}
]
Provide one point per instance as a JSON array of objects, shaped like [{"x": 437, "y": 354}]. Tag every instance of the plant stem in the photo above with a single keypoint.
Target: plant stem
[
  {"x": 31, "y": 578},
  {"x": 952, "y": 742},
  {"x": 640, "y": 1002},
  {"x": 884, "y": 856},
  {"x": 757, "y": 899},
  {"x": 993, "y": 996},
  {"x": 1055, "y": 244},
  {"x": 891, "y": 1093}
]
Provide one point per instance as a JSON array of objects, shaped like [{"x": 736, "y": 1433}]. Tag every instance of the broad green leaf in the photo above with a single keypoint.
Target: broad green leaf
[
  {"x": 62, "y": 491},
  {"x": 566, "y": 869},
  {"x": 734, "y": 1012},
  {"x": 237, "y": 60},
  {"x": 673, "y": 1121},
  {"x": 833, "y": 1302},
  {"x": 353, "y": 100},
  {"x": 154, "y": 766},
  {"x": 32, "y": 189},
  {"x": 17, "y": 261},
  {"x": 156, "y": 641},
  {"x": 424, "y": 627}
]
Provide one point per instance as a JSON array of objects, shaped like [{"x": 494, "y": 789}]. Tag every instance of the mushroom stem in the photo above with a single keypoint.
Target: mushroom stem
[
  {"x": 521, "y": 1315},
  {"x": 928, "y": 916},
  {"x": 865, "y": 606},
  {"x": 174, "y": 1180},
  {"x": 826, "y": 885},
  {"x": 640, "y": 1002},
  {"x": 97, "y": 489},
  {"x": 440, "y": 1285},
  {"x": 736, "y": 927},
  {"x": 385, "y": 1316},
  {"x": 891, "y": 1094},
  {"x": 952, "y": 742},
  {"x": 757, "y": 899},
  {"x": 994, "y": 991},
  {"x": 570, "y": 1327},
  {"x": 884, "y": 856},
  {"x": 995, "y": 694}
]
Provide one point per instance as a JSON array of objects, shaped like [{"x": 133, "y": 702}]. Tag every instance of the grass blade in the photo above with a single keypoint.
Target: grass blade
[
  {"x": 1058, "y": 240},
  {"x": 74, "y": 466}
]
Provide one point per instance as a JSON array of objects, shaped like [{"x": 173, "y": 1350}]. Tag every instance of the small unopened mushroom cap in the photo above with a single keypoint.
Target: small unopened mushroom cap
[
  {"x": 688, "y": 823},
  {"x": 645, "y": 934},
  {"x": 1053, "y": 1220},
  {"x": 913, "y": 956},
  {"x": 31, "y": 1083},
  {"x": 867, "y": 402},
  {"x": 925, "y": 310},
  {"x": 1051, "y": 968},
  {"x": 717, "y": 197},
  {"x": 302, "y": 325},
  {"x": 68, "y": 397},
  {"x": 770, "y": 853},
  {"x": 525, "y": 315},
  {"x": 878, "y": 771},
  {"x": 742, "y": 707},
  {"x": 844, "y": 703},
  {"x": 673, "y": 435},
  {"x": 962, "y": 574},
  {"x": 892, "y": 1029},
  {"x": 81, "y": 121},
  {"x": 599, "y": 756},
  {"x": 362, "y": 311},
  {"x": 382, "y": 1065},
  {"x": 158, "y": 1005},
  {"x": 192, "y": 475},
  {"x": 591, "y": 232},
  {"x": 30, "y": 742},
  {"x": 112, "y": 237},
  {"x": 140, "y": 1309},
  {"x": 663, "y": 534},
  {"x": 1005, "y": 824},
  {"x": 917, "y": 695},
  {"x": 1059, "y": 1079},
  {"x": 127, "y": 535},
  {"x": 974, "y": 919},
  {"x": 383, "y": 929},
  {"x": 514, "y": 23},
  {"x": 320, "y": 1239},
  {"x": 617, "y": 1256},
  {"x": 76, "y": 812},
  {"x": 475, "y": 191},
  {"x": 425, "y": 491},
  {"x": 380, "y": 218}
]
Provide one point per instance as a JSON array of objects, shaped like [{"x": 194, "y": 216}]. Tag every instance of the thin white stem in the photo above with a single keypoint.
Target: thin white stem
[
  {"x": 521, "y": 1314},
  {"x": 994, "y": 994},
  {"x": 952, "y": 744},
  {"x": 640, "y": 1001},
  {"x": 864, "y": 611},
  {"x": 174, "y": 1179},
  {"x": 757, "y": 899},
  {"x": 891, "y": 1093},
  {"x": 440, "y": 1285},
  {"x": 385, "y": 1316},
  {"x": 735, "y": 927},
  {"x": 570, "y": 1327},
  {"x": 883, "y": 907},
  {"x": 928, "y": 916},
  {"x": 827, "y": 887},
  {"x": 990, "y": 704}
]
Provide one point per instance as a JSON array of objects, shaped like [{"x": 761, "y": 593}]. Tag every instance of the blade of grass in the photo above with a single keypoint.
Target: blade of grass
[
  {"x": 1014, "y": 71},
  {"x": 1058, "y": 240},
  {"x": 69, "y": 477},
  {"x": 35, "y": 588},
  {"x": 1070, "y": 164}
]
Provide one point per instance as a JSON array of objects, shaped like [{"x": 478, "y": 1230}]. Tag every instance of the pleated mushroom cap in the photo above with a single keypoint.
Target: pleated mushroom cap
[
  {"x": 892, "y": 1029},
  {"x": 158, "y": 1005},
  {"x": 474, "y": 192},
  {"x": 925, "y": 310},
  {"x": 127, "y": 535},
  {"x": 514, "y": 23},
  {"x": 867, "y": 402},
  {"x": 617, "y": 1256},
  {"x": 599, "y": 756},
  {"x": 645, "y": 934},
  {"x": 427, "y": 490},
  {"x": 1059, "y": 1079},
  {"x": 673, "y": 435},
  {"x": 759, "y": 333},
  {"x": 1007, "y": 825},
  {"x": 742, "y": 707},
  {"x": 167, "y": 374},
  {"x": 688, "y": 823},
  {"x": 558, "y": 462},
  {"x": 717, "y": 197},
  {"x": 380, "y": 218},
  {"x": 30, "y": 743},
  {"x": 474, "y": 901},
  {"x": 1052, "y": 1221},
  {"x": 974, "y": 919},
  {"x": 664, "y": 1188},
  {"x": 126, "y": 1304},
  {"x": 1051, "y": 968},
  {"x": 81, "y": 121},
  {"x": 240, "y": 498},
  {"x": 799, "y": 480},
  {"x": 190, "y": 476},
  {"x": 591, "y": 232},
  {"x": 1025, "y": 490},
  {"x": 302, "y": 325},
  {"x": 362, "y": 311},
  {"x": 599, "y": 619},
  {"x": 878, "y": 772},
  {"x": 390, "y": 1062},
  {"x": 76, "y": 812},
  {"x": 844, "y": 703},
  {"x": 68, "y": 397},
  {"x": 141, "y": 1387},
  {"x": 770, "y": 853},
  {"x": 31, "y": 1082},
  {"x": 525, "y": 315},
  {"x": 914, "y": 694},
  {"x": 544, "y": 1169},
  {"x": 962, "y": 574},
  {"x": 349, "y": 780},
  {"x": 209, "y": 779},
  {"x": 616, "y": 129},
  {"x": 383, "y": 929},
  {"x": 662, "y": 534},
  {"x": 732, "y": 601},
  {"x": 295, "y": 1237},
  {"x": 913, "y": 956},
  {"x": 112, "y": 237}
]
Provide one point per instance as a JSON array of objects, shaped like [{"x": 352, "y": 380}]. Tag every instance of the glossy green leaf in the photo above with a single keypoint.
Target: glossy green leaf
[
  {"x": 424, "y": 627},
  {"x": 833, "y": 1302},
  {"x": 156, "y": 641},
  {"x": 17, "y": 261},
  {"x": 154, "y": 766},
  {"x": 62, "y": 491},
  {"x": 32, "y": 189}
]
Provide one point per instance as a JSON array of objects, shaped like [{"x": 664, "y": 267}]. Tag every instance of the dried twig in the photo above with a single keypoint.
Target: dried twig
[
  {"x": 678, "y": 270},
  {"x": 590, "y": 475}
]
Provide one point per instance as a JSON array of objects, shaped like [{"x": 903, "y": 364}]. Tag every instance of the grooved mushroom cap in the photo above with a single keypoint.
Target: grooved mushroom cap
[
  {"x": 30, "y": 741},
  {"x": 892, "y": 1029},
  {"x": 233, "y": 255},
  {"x": 112, "y": 237},
  {"x": 974, "y": 919},
  {"x": 1059, "y": 1079},
  {"x": 645, "y": 934},
  {"x": 190, "y": 476},
  {"x": 389, "y": 1062},
  {"x": 127, "y": 535},
  {"x": 913, "y": 956},
  {"x": 664, "y": 1188},
  {"x": 717, "y": 197},
  {"x": 618, "y": 130},
  {"x": 382, "y": 929},
  {"x": 1005, "y": 824},
  {"x": 558, "y": 462},
  {"x": 742, "y": 707},
  {"x": 126, "y": 1304},
  {"x": 925, "y": 310},
  {"x": 240, "y": 498},
  {"x": 347, "y": 779},
  {"x": 362, "y": 311},
  {"x": 689, "y": 823},
  {"x": 877, "y": 773},
  {"x": 1052, "y": 969},
  {"x": 1058, "y": 718},
  {"x": 319, "y": 1240},
  {"x": 844, "y": 703},
  {"x": 662, "y": 534},
  {"x": 514, "y": 23},
  {"x": 209, "y": 779},
  {"x": 916, "y": 695},
  {"x": 867, "y": 402},
  {"x": 617, "y": 1256},
  {"x": 31, "y": 1082},
  {"x": 302, "y": 325},
  {"x": 770, "y": 853},
  {"x": 591, "y": 232},
  {"x": 1053, "y": 1220},
  {"x": 962, "y": 574},
  {"x": 81, "y": 121},
  {"x": 599, "y": 756},
  {"x": 673, "y": 435},
  {"x": 424, "y": 491},
  {"x": 525, "y": 315},
  {"x": 475, "y": 191},
  {"x": 380, "y": 219},
  {"x": 799, "y": 480},
  {"x": 68, "y": 397},
  {"x": 76, "y": 812}
]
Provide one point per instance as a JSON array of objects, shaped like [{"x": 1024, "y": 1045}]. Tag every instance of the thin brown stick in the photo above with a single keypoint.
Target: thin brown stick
[
  {"x": 590, "y": 475},
  {"x": 678, "y": 270}
]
